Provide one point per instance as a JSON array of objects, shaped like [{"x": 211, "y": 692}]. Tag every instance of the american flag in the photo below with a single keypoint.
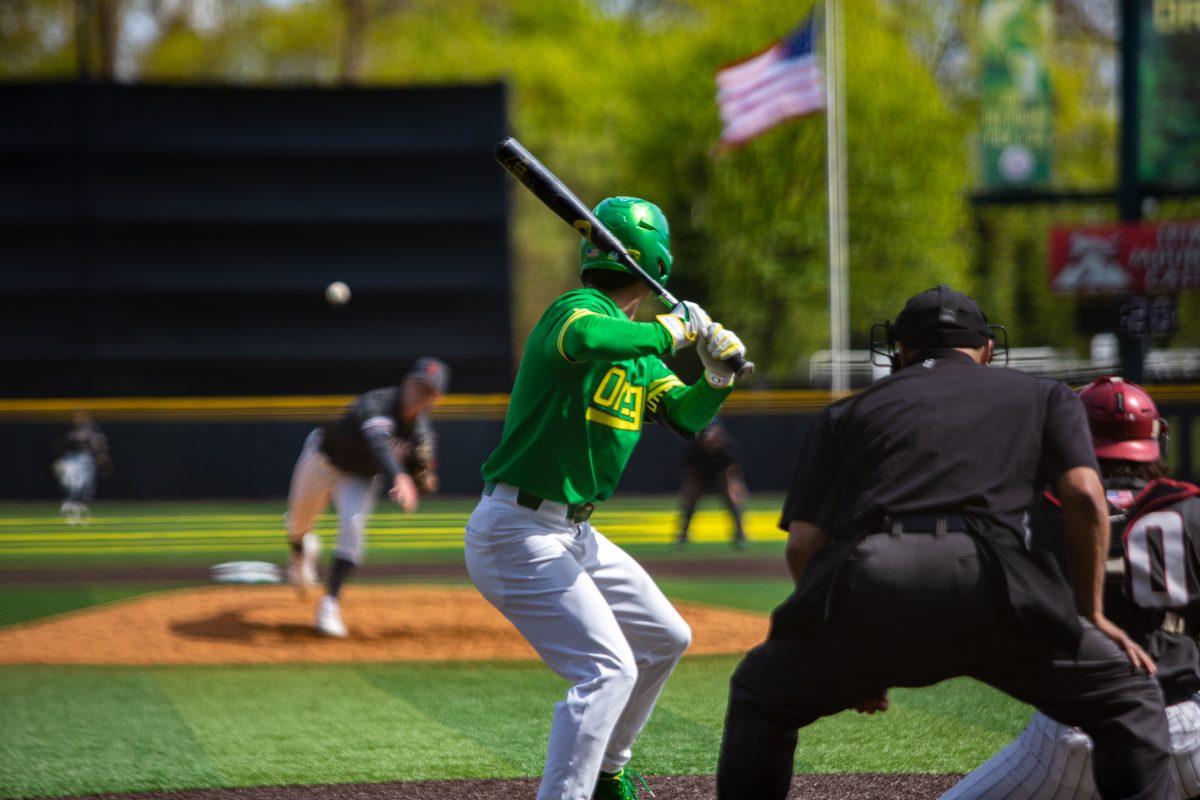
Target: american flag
[{"x": 782, "y": 82}]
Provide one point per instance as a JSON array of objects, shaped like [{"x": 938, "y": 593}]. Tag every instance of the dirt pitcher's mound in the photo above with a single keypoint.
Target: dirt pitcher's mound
[{"x": 272, "y": 624}]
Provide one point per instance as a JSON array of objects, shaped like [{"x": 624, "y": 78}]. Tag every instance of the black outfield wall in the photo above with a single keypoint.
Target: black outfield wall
[{"x": 171, "y": 240}]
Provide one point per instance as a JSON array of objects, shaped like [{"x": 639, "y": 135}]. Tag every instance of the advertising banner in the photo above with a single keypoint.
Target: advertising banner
[
  {"x": 1169, "y": 83},
  {"x": 1017, "y": 116},
  {"x": 1137, "y": 258}
]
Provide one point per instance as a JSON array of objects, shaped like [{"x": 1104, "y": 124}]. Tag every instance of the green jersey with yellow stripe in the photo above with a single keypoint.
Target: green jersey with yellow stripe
[{"x": 589, "y": 380}]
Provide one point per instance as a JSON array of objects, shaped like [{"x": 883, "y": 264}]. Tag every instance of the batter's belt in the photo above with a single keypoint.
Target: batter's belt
[{"x": 576, "y": 512}]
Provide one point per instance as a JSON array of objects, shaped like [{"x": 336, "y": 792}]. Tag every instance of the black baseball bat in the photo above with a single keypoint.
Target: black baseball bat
[{"x": 554, "y": 194}]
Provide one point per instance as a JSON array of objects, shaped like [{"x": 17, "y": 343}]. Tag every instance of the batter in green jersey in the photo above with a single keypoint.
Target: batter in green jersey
[{"x": 590, "y": 379}]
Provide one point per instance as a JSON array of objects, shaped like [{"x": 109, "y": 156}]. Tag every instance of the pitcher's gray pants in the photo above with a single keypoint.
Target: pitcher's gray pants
[{"x": 315, "y": 481}]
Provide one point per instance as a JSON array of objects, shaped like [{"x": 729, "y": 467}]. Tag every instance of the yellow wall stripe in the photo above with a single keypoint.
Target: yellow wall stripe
[{"x": 315, "y": 408}]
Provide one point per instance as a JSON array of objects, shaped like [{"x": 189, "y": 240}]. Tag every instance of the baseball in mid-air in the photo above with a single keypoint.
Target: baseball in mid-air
[{"x": 337, "y": 293}]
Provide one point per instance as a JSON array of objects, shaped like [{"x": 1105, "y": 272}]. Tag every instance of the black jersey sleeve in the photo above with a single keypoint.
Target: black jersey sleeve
[
  {"x": 377, "y": 403},
  {"x": 810, "y": 486},
  {"x": 375, "y": 413},
  {"x": 1066, "y": 438},
  {"x": 379, "y": 442},
  {"x": 421, "y": 456}
]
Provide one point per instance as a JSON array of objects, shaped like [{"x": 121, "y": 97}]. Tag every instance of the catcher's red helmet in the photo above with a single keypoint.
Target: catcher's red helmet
[{"x": 1124, "y": 420}]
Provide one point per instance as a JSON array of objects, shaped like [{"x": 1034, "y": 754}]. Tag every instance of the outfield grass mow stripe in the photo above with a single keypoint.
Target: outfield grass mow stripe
[
  {"x": 79, "y": 730},
  {"x": 503, "y": 707},
  {"x": 318, "y": 725},
  {"x": 75, "y": 731}
]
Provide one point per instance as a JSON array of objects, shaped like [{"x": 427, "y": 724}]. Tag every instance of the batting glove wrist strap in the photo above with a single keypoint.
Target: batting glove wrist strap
[
  {"x": 686, "y": 322},
  {"x": 717, "y": 380},
  {"x": 717, "y": 344},
  {"x": 677, "y": 330}
]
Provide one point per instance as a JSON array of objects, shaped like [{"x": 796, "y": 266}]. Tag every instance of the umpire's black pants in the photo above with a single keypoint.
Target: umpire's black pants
[{"x": 915, "y": 609}]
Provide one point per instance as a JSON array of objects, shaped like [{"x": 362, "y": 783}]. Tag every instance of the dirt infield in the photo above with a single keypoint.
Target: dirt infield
[
  {"x": 681, "y": 787},
  {"x": 272, "y": 624}
]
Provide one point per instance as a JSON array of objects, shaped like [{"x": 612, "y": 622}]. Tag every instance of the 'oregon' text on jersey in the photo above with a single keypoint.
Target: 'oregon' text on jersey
[{"x": 617, "y": 403}]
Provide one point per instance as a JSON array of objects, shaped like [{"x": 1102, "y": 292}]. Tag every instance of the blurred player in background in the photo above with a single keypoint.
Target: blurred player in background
[
  {"x": 711, "y": 463},
  {"x": 80, "y": 454},
  {"x": 1151, "y": 589},
  {"x": 384, "y": 432},
  {"x": 590, "y": 377}
]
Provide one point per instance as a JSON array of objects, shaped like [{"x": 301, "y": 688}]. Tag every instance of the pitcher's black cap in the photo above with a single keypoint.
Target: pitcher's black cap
[
  {"x": 432, "y": 372},
  {"x": 941, "y": 317}
]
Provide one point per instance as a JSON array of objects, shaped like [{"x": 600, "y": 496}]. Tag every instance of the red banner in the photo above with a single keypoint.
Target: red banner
[{"x": 1125, "y": 259}]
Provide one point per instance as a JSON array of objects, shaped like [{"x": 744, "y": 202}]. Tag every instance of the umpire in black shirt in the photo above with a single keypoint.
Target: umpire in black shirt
[{"x": 907, "y": 539}]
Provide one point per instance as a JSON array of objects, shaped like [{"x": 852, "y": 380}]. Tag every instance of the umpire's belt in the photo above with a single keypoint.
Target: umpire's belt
[
  {"x": 924, "y": 523},
  {"x": 570, "y": 512}
]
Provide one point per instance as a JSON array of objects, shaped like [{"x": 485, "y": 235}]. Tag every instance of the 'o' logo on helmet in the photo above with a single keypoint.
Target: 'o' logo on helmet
[{"x": 637, "y": 254}]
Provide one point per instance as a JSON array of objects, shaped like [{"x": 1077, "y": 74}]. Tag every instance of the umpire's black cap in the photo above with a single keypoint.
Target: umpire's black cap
[
  {"x": 432, "y": 372},
  {"x": 941, "y": 317}
]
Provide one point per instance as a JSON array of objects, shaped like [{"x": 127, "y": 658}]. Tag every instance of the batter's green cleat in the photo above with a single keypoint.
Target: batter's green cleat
[{"x": 624, "y": 784}]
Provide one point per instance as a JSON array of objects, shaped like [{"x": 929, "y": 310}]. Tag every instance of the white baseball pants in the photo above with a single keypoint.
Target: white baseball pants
[
  {"x": 77, "y": 475},
  {"x": 315, "y": 481},
  {"x": 1051, "y": 761},
  {"x": 593, "y": 615}
]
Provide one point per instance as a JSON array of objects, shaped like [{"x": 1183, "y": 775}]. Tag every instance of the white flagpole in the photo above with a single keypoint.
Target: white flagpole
[{"x": 835, "y": 181}]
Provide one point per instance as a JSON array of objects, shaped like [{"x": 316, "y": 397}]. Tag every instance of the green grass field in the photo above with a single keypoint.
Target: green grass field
[
  {"x": 172, "y": 533},
  {"x": 73, "y": 730}
]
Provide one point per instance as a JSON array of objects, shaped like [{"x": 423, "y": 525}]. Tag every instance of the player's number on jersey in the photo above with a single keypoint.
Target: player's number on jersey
[{"x": 1157, "y": 560}]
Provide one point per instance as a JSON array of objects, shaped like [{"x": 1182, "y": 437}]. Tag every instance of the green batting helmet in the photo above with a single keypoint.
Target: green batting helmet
[{"x": 642, "y": 228}]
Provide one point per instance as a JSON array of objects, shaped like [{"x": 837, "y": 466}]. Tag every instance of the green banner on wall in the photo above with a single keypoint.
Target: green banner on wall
[
  {"x": 1169, "y": 96},
  {"x": 1016, "y": 113}
]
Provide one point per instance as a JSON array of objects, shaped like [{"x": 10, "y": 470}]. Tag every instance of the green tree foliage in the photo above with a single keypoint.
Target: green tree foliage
[
  {"x": 754, "y": 220},
  {"x": 36, "y": 39},
  {"x": 620, "y": 99},
  {"x": 618, "y": 96}
]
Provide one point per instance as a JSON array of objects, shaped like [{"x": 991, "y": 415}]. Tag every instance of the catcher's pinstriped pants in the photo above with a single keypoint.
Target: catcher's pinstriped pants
[
  {"x": 315, "y": 482},
  {"x": 1052, "y": 761},
  {"x": 593, "y": 615},
  {"x": 916, "y": 609}
]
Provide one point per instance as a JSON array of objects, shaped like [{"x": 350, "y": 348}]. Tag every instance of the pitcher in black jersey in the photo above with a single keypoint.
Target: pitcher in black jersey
[
  {"x": 384, "y": 434},
  {"x": 1151, "y": 590}
]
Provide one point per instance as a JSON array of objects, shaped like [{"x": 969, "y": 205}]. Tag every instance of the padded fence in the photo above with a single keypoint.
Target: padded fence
[{"x": 161, "y": 240}]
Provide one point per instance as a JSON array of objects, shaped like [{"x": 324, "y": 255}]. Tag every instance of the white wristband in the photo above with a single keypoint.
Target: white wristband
[{"x": 718, "y": 381}]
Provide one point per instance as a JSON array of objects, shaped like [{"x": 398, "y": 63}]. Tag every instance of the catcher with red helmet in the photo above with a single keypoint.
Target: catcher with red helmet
[
  {"x": 1125, "y": 423},
  {"x": 1151, "y": 590}
]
